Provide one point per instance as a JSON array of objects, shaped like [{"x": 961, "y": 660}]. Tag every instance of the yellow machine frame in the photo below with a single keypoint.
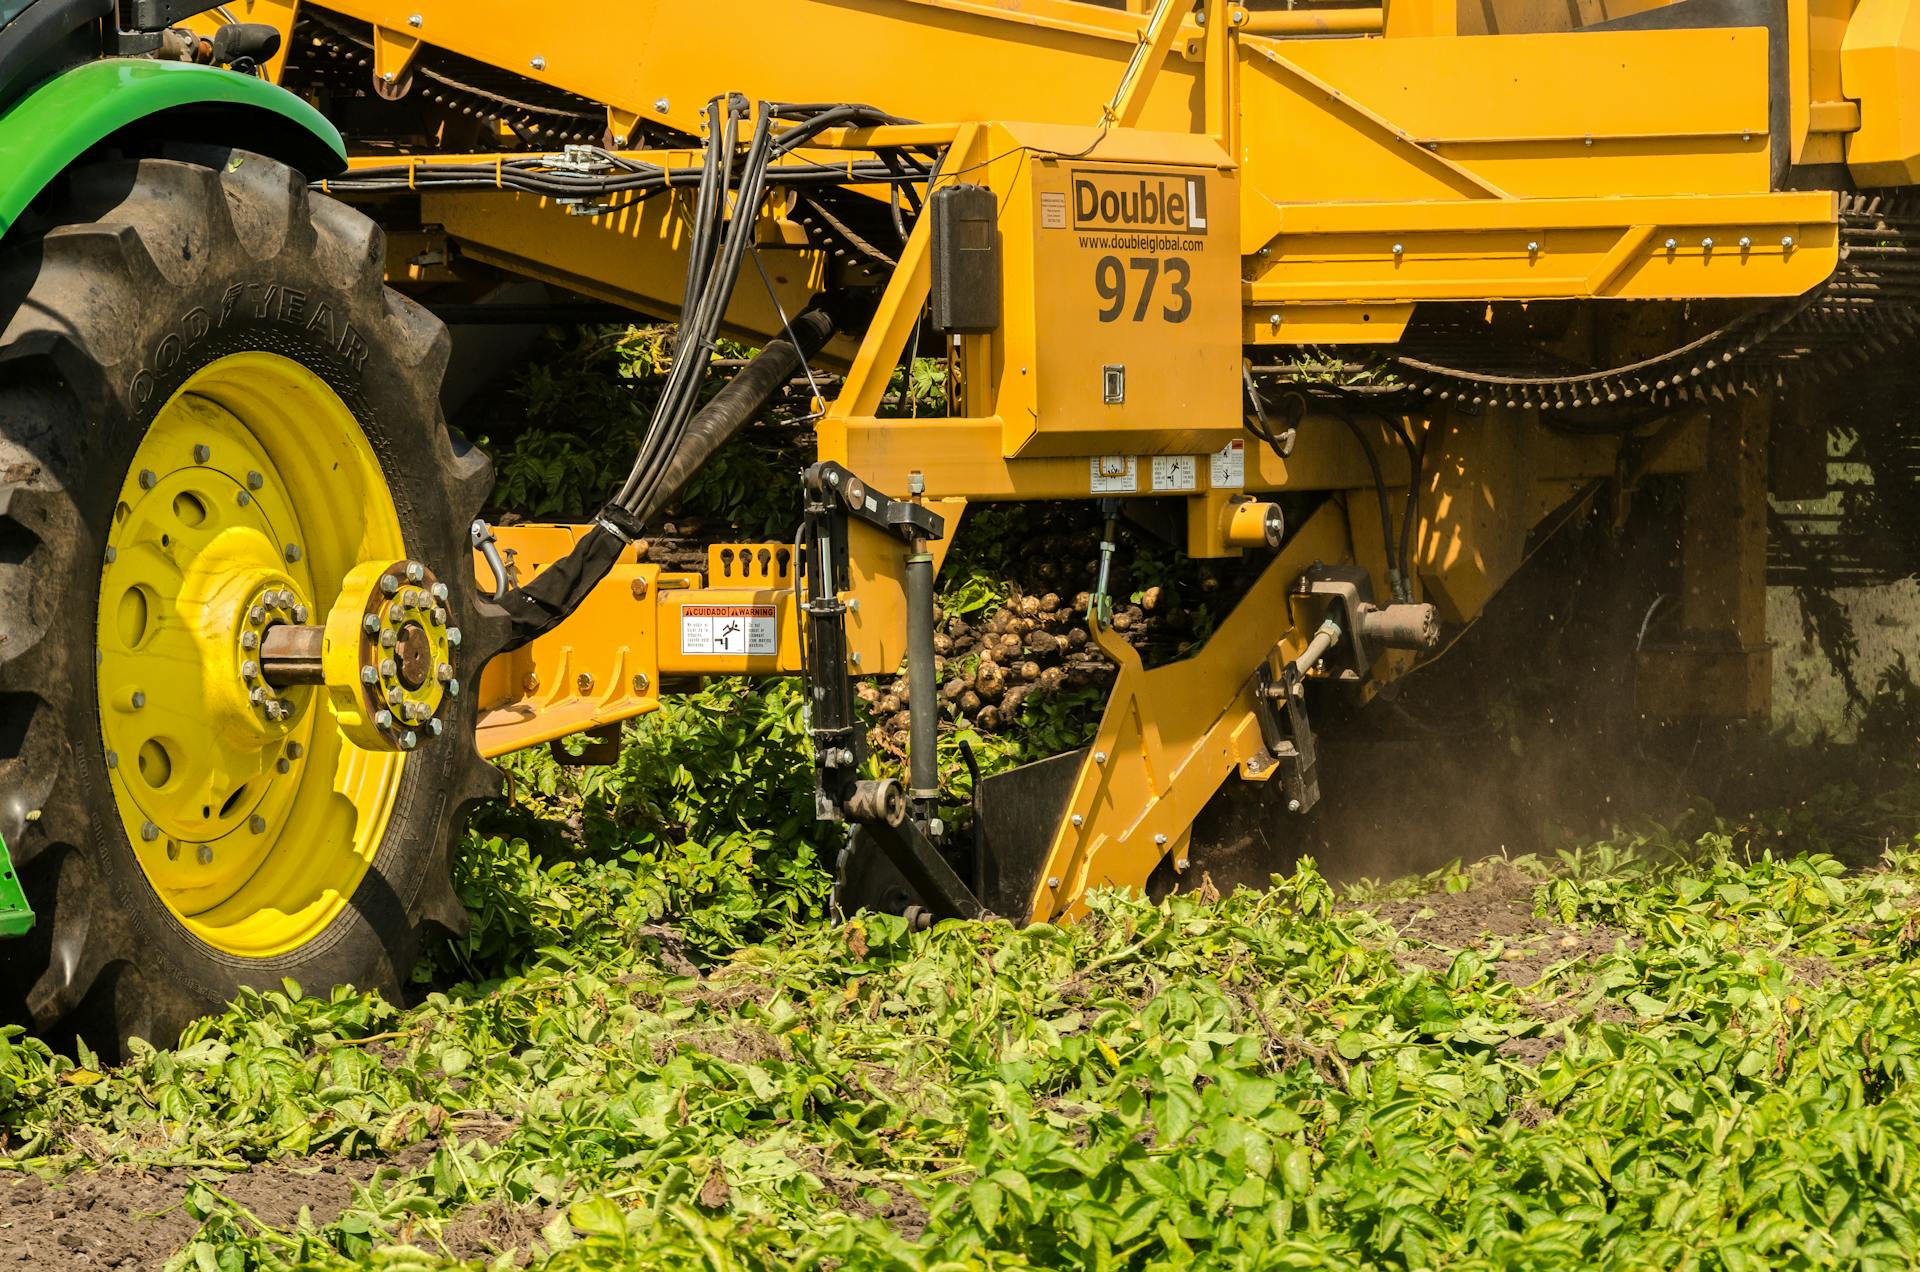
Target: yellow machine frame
[{"x": 1382, "y": 156}]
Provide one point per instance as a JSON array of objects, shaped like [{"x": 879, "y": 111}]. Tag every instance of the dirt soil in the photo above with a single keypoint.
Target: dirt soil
[{"x": 136, "y": 1219}]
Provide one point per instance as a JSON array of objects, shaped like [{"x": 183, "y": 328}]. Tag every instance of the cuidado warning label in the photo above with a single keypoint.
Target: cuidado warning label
[{"x": 729, "y": 629}]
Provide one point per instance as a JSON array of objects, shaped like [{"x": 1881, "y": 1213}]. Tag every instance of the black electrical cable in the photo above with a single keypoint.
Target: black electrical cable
[{"x": 1416, "y": 461}]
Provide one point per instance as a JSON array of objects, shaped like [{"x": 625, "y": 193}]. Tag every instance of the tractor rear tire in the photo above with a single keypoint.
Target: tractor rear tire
[{"x": 210, "y": 286}]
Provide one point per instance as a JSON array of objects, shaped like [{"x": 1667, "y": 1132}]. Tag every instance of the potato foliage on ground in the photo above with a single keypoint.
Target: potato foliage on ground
[{"x": 656, "y": 1051}]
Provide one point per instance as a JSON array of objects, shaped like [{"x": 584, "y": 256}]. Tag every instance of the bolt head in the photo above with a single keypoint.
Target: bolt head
[
  {"x": 257, "y": 824},
  {"x": 415, "y": 20},
  {"x": 113, "y": 759},
  {"x": 394, "y": 696},
  {"x": 389, "y": 584},
  {"x": 1533, "y": 248},
  {"x": 370, "y": 624},
  {"x": 148, "y": 479},
  {"x": 283, "y": 765},
  {"x": 292, "y": 553},
  {"x": 453, "y": 688},
  {"x": 1706, "y": 244},
  {"x": 415, "y": 572},
  {"x": 255, "y": 480},
  {"x": 257, "y": 695},
  {"x": 242, "y": 498},
  {"x": 661, "y": 105},
  {"x": 202, "y": 453},
  {"x": 387, "y": 666},
  {"x": 113, "y": 554},
  {"x": 437, "y": 616},
  {"x": 1179, "y": 863},
  {"x": 409, "y": 740},
  {"x": 453, "y": 637},
  {"x": 139, "y": 699},
  {"x": 149, "y": 831},
  {"x": 389, "y": 638},
  {"x": 249, "y": 669},
  {"x": 539, "y": 63},
  {"x": 1053, "y": 881},
  {"x": 1293, "y": 805},
  {"x": 295, "y": 750},
  {"x": 1672, "y": 243},
  {"x": 257, "y": 615},
  {"x": 383, "y": 718},
  {"x": 1399, "y": 249},
  {"x": 443, "y": 673},
  {"x": 1787, "y": 242},
  {"x": 439, "y": 591},
  {"x": 299, "y": 613},
  {"x": 249, "y": 639},
  {"x": 1099, "y": 757},
  {"x": 1746, "y": 241},
  {"x": 1160, "y": 840},
  {"x": 640, "y": 682},
  {"x": 1078, "y": 820},
  {"x": 205, "y": 854},
  {"x": 278, "y": 711},
  {"x": 368, "y": 676},
  {"x": 435, "y": 727}
]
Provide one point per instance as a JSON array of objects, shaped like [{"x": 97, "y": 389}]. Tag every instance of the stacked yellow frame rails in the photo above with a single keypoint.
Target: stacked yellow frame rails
[{"x": 1183, "y": 194}]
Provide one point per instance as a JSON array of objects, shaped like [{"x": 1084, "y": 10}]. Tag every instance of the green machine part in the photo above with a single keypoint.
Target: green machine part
[
  {"x": 58, "y": 121},
  {"x": 16, "y": 916}
]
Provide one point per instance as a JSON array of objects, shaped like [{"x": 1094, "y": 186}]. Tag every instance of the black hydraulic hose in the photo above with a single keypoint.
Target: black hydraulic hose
[
  {"x": 729, "y": 410},
  {"x": 558, "y": 590},
  {"x": 1379, "y": 489},
  {"x": 1416, "y": 463}
]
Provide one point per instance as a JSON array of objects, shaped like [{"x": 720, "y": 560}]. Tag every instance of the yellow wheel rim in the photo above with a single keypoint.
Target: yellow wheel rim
[{"x": 252, "y": 496}]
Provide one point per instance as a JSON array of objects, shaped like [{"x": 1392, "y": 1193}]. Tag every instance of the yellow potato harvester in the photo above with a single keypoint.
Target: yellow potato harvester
[{"x": 1371, "y": 294}]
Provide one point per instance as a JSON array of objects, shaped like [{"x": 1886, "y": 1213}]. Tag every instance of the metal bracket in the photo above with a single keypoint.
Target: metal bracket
[
  {"x": 1288, "y": 734},
  {"x": 16, "y": 916}
]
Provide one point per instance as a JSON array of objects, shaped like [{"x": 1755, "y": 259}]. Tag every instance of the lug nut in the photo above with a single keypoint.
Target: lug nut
[
  {"x": 249, "y": 639},
  {"x": 415, "y": 572},
  {"x": 149, "y": 831},
  {"x": 257, "y": 615},
  {"x": 113, "y": 759},
  {"x": 255, "y": 480},
  {"x": 453, "y": 688},
  {"x": 113, "y": 554},
  {"x": 277, "y": 711},
  {"x": 299, "y": 613},
  {"x": 139, "y": 699},
  {"x": 148, "y": 479},
  {"x": 453, "y": 636},
  {"x": 439, "y": 591},
  {"x": 386, "y": 666},
  {"x": 205, "y": 853},
  {"x": 444, "y": 672},
  {"x": 370, "y": 624},
  {"x": 389, "y": 584},
  {"x": 201, "y": 454},
  {"x": 394, "y": 696},
  {"x": 409, "y": 740},
  {"x": 257, "y": 824},
  {"x": 368, "y": 676},
  {"x": 434, "y": 727},
  {"x": 242, "y": 498},
  {"x": 249, "y": 669},
  {"x": 295, "y": 750},
  {"x": 384, "y": 719},
  {"x": 388, "y": 639},
  {"x": 438, "y": 617},
  {"x": 283, "y": 765},
  {"x": 293, "y": 553},
  {"x": 258, "y": 695}
]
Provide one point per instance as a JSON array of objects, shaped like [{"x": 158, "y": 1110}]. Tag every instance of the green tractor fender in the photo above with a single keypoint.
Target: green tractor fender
[{"x": 47, "y": 129}]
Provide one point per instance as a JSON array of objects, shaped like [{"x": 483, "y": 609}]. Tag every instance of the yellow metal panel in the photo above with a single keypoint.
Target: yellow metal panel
[{"x": 1880, "y": 68}]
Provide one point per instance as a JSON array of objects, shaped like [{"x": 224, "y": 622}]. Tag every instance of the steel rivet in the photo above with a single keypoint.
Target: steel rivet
[
  {"x": 539, "y": 63},
  {"x": 255, "y": 480},
  {"x": 149, "y": 831},
  {"x": 293, "y": 553},
  {"x": 661, "y": 104},
  {"x": 1078, "y": 819},
  {"x": 147, "y": 479},
  {"x": 202, "y": 453}
]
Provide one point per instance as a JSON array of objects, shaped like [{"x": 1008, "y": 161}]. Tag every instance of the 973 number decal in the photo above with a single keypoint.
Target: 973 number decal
[{"x": 1141, "y": 285}]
